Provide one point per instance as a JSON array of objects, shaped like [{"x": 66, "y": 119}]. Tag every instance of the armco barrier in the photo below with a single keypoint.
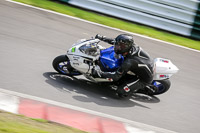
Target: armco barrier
[
  {"x": 196, "y": 26},
  {"x": 190, "y": 5},
  {"x": 178, "y": 16},
  {"x": 156, "y": 9}
]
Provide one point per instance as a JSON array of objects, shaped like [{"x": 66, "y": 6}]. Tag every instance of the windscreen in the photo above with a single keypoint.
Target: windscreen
[{"x": 89, "y": 49}]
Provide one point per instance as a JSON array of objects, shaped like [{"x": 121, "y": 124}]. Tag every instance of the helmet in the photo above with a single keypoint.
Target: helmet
[{"x": 123, "y": 43}]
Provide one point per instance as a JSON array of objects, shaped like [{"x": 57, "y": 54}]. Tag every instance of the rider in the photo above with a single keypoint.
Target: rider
[{"x": 136, "y": 60}]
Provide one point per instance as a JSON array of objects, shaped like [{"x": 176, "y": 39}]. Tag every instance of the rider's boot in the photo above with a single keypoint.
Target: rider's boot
[
  {"x": 151, "y": 89},
  {"x": 124, "y": 90}
]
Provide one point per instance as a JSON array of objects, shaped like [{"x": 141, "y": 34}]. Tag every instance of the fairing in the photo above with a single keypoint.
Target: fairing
[{"x": 108, "y": 60}]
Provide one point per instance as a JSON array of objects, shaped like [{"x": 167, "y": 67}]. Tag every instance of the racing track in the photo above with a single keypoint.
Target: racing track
[{"x": 31, "y": 38}]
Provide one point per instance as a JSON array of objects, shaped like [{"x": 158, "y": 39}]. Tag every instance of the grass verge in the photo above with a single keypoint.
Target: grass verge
[
  {"x": 11, "y": 123},
  {"x": 113, "y": 22}
]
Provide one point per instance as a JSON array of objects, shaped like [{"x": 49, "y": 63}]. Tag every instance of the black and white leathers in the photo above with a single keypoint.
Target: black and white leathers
[{"x": 136, "y": 61}]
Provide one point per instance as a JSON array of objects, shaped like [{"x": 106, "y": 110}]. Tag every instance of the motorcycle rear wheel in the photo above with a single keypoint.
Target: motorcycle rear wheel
[
  {"x": 162, "y": 85},
  {"x": 62, "y": 65}
]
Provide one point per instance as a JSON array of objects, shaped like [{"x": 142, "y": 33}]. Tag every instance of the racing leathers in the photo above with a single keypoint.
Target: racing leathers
[{"x": 137, "y": 63}]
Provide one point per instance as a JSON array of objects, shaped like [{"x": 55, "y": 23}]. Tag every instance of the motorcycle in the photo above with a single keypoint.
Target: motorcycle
[{"x": 86, "y": 55}]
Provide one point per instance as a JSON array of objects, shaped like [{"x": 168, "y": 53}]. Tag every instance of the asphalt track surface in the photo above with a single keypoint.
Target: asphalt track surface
[{"x": 30, "y": 39}]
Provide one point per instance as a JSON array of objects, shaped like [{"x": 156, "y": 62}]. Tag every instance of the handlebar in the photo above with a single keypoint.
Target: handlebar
[{"x": 100, "y": 37}]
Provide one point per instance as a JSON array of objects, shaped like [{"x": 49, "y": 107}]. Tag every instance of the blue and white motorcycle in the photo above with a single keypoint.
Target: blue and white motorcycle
[{"x": 86, "y": 55}]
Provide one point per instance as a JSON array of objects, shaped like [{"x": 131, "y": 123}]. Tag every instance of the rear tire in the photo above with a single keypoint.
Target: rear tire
[
  {"x": 62, "y": 65},
  {"x": 162, "y": 85}
]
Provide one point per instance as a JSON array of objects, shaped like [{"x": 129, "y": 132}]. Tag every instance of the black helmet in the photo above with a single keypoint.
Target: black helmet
[{"x": 123, "y": 43}]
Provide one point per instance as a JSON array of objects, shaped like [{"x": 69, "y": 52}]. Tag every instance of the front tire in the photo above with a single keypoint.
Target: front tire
[{"x": 62, "y": 65}]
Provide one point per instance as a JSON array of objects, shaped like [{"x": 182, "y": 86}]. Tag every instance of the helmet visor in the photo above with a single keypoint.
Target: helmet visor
[{"x": 120, "y": 47}]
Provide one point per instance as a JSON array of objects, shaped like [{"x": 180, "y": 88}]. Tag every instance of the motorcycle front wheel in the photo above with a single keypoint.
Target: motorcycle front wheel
[{"x": 62, "y": 65}]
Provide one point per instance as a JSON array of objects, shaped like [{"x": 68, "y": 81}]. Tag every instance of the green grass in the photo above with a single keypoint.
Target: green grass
[
  {"x": 113, "y": 22},
  {"x": 40, "y": 120},
  {"x": 11, "y": 123}
]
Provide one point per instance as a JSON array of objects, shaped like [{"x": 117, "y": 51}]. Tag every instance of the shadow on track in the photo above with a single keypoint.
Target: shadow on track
[{"x": 86, "y": 91}]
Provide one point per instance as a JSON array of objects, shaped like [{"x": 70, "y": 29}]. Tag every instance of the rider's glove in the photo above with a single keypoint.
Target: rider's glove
[{"x": 100, "y": 37}]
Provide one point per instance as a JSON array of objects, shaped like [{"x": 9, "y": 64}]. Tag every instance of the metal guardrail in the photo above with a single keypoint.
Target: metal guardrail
[
  {"x": 190, "y": 5},
  {"x": 178, "y": 16},
  {"x": 156, "y": 9}
]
